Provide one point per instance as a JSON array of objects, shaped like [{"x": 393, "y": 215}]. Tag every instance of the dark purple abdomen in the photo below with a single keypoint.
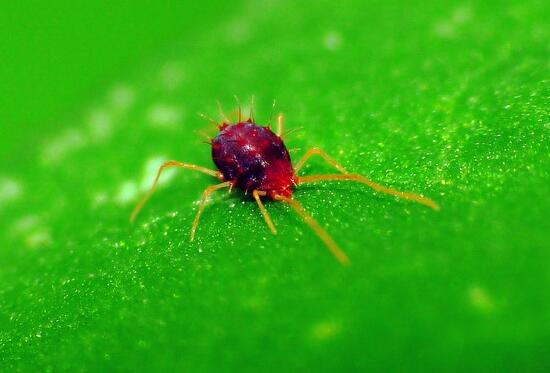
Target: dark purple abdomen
[{"x": 253, "y": 157}]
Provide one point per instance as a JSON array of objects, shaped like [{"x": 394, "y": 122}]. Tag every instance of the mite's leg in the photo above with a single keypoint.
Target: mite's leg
[
  {"x": 267, "y": 218},
  {"x": 166, "y": 165},
  {"x": 207, "y": 192},
  {"x": 280, "y": 123},
  {"x": 379, "y": 188},
  {"x": 322, "y": 154},
  {"x": 333, "y": 247}
]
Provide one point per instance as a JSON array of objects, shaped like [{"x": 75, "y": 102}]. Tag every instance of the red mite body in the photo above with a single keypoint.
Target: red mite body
[{"x": 253, "y": 158}]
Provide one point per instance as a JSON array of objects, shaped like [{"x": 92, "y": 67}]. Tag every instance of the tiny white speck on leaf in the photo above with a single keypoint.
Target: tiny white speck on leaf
[
  {"x": 25, "y": 224},
  {"x": 162, "y": 115},
  {"x": 332, "y": 40},
  {"x": 238, "y": 31},
  {"x": 325, "y": 330},
  {"x": 127, "y": 192},
  {"x": 38, "y": 238},
  {"x": 122, "y": 96},
  {"x": 99, "y": 125},
  {"x": 171, "y": 75},
  {"x": 10, "y": 190},
  {"x": 480, "y": 299},
  {"x": 450, "y": 27},
  {"x": 56, "y": 149},
  {"x": 99, "y": 199}
]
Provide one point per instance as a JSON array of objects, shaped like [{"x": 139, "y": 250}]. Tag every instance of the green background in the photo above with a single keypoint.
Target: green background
[{"x": 449, "y": 99}]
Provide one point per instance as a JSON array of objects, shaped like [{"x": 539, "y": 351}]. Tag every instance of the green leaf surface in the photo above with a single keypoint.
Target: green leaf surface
[{"x": 446, "y": 99}]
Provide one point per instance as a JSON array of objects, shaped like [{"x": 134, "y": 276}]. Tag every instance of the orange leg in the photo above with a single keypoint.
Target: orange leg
[
  {"x": 166, "y": 165},
  {"x": 322, "y": 154},
  {"x": 379, "y": 188},
  {"x": 207, "y": 192},
  {"x": 332, "y": 246},
  {"x": 267, "y": 218}
]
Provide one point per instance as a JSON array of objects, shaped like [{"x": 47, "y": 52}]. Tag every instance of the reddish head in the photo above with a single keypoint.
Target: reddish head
[{"x": 253, "y": 158}]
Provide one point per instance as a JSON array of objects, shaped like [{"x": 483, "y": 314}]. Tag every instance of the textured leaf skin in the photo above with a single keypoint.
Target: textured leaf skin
[{"x": 436, "y": 97}]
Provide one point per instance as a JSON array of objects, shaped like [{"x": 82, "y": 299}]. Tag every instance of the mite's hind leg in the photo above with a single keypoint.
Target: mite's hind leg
[
  {"x": 166, "y": 165},
  {"x": 327, "y": 239},
  {"x": 207, "y": 192},
  {"x": 316, "y": 151},
  {"x": 267, "y": 218},
  {"x": 379, "y": 188}
]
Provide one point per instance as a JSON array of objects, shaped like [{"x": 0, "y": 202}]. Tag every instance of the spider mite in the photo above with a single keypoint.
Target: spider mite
[{"x": 253, "y": 158}]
